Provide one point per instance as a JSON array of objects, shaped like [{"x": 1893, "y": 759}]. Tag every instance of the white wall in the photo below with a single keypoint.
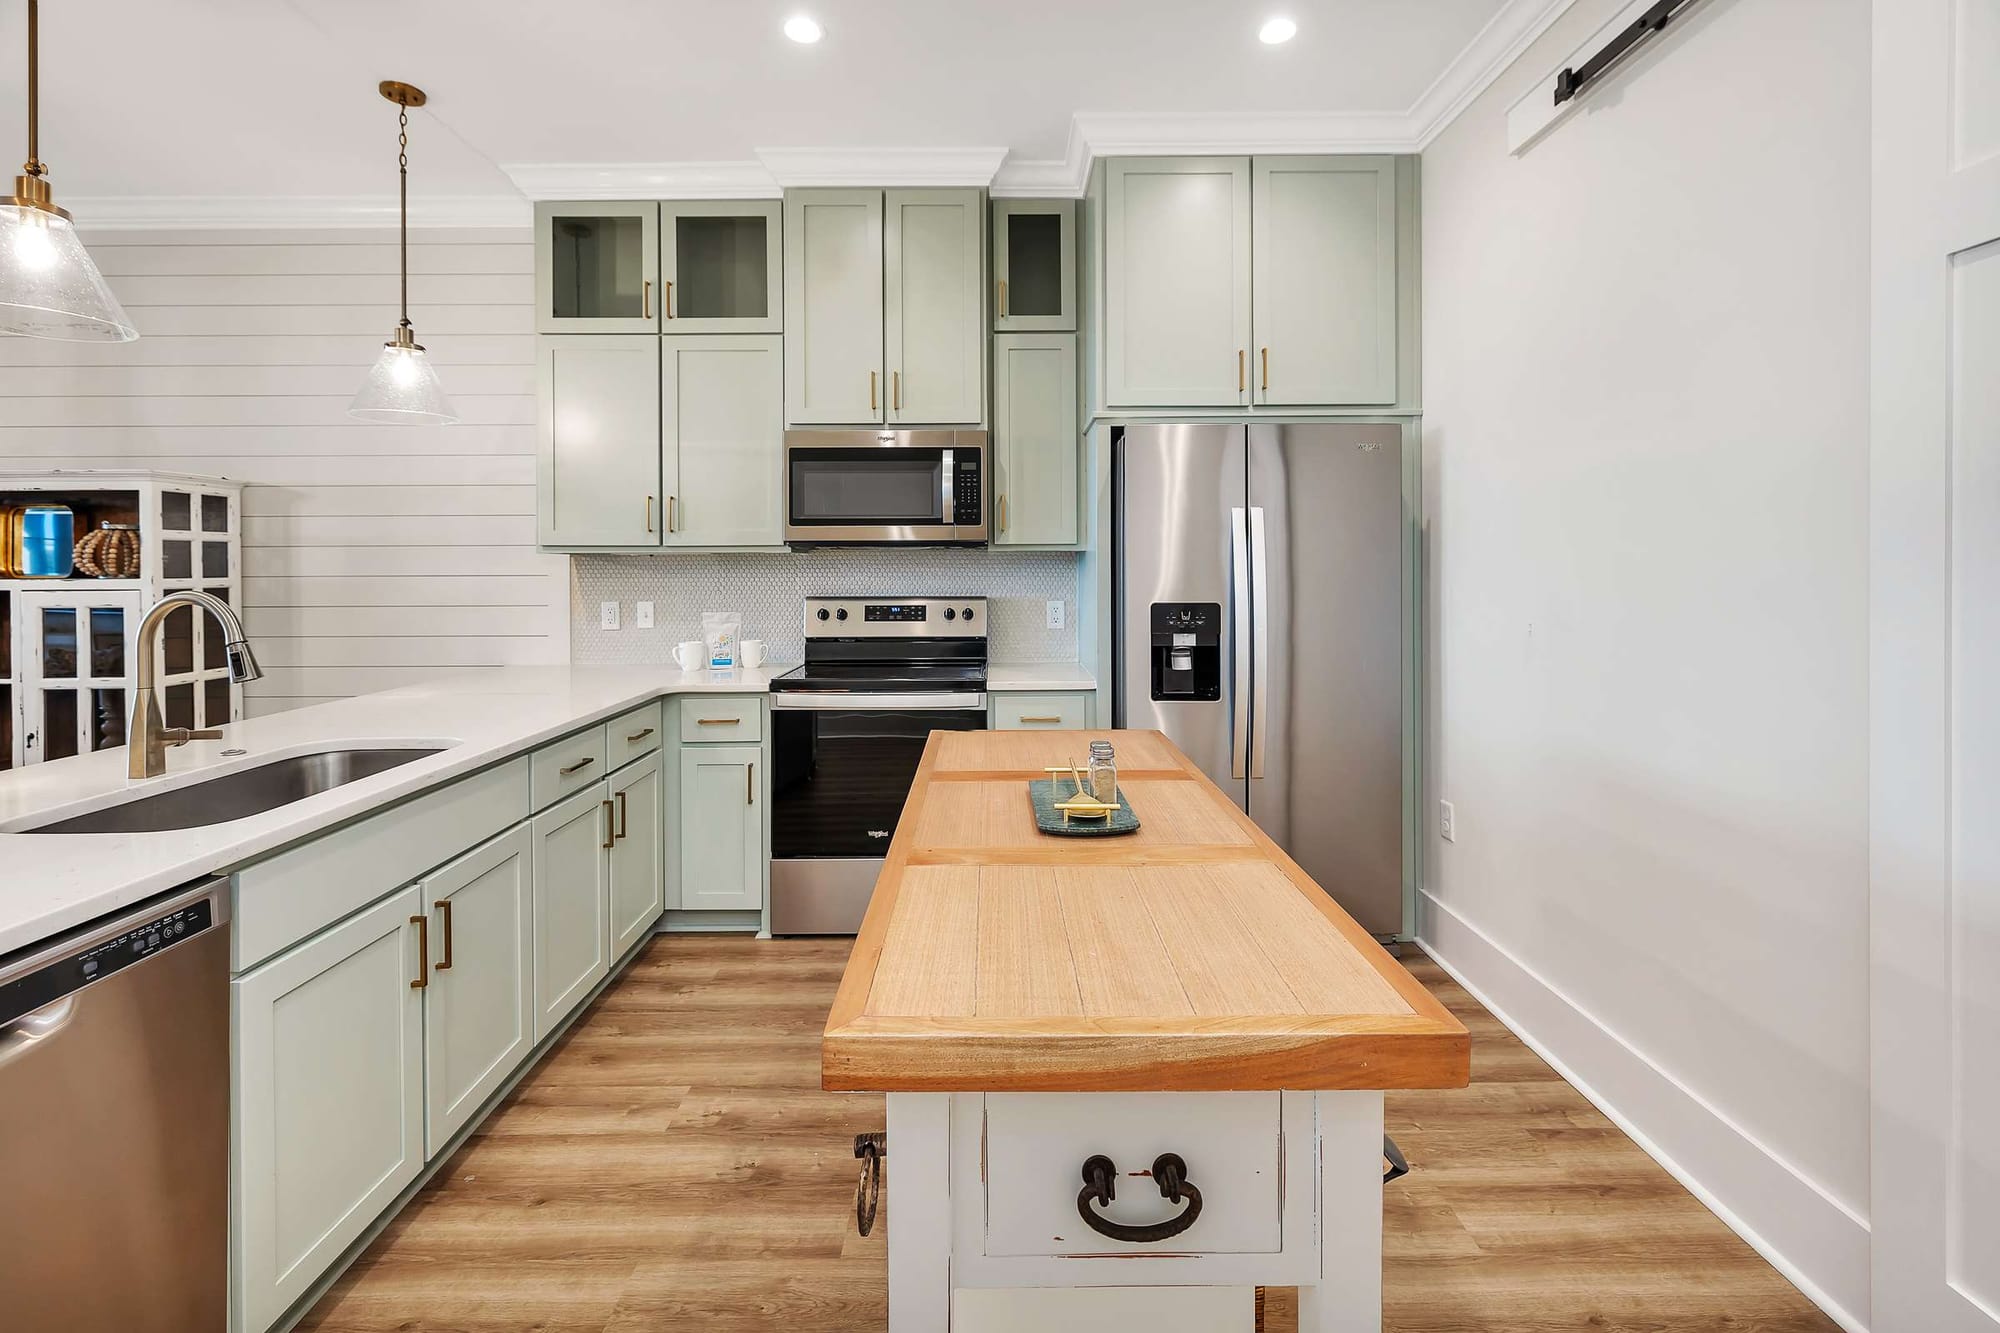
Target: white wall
[
  {"x": 373, "y": 555},
  {"x": 1646, "y": 358}
]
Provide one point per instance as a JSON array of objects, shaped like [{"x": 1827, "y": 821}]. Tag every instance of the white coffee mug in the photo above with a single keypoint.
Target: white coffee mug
[
  {"x": 752, "y": 652},
  {"x": 690, "y": 654}
]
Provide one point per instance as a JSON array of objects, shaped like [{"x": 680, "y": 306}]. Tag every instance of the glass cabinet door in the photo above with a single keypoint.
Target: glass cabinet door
[
  {"x": 75, "y": 672},
  {"x": 719, "y": 266},
  {"x": 1034, "y": 265},
  {"x": 597, "y": 267}
]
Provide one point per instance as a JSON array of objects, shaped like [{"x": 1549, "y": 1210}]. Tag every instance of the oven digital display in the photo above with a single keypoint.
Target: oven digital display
[{"x": 888, "y": 611}]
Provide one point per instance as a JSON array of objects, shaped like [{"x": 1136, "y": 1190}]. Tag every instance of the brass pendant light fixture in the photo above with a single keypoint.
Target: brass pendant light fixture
[
  {"x": 49, "y": 288},
  {"x": 403, "y": 387}
]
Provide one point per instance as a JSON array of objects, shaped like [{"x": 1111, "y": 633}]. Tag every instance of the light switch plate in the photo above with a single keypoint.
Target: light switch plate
[
  {"x": 1055, "y": 615},
  {"x": 607, "y": 615},
  {"x": 642, "y": 614}
]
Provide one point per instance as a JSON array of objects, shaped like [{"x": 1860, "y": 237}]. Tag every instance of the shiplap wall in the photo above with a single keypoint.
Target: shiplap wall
[{"x": 374, "y": 556}]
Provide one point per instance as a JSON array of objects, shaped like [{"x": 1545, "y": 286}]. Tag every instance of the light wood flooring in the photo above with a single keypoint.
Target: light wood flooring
[{"x": 674, "y": 1166}]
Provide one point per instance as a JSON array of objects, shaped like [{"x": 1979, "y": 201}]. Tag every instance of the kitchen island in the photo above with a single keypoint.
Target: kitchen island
[{"x": 1130, "y": 1078}]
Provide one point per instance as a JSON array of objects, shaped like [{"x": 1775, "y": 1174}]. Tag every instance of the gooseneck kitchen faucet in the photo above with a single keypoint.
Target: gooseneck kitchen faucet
[{"x": 146, "y": 747}]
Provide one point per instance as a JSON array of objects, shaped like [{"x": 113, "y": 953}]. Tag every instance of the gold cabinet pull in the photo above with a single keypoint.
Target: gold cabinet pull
[
  {"x": 673, "y": 511},
  {"x": 577, "y": 767},
  {"x": 1003, "y": 298},
  {"x": 609, "y": 836},
  {"x": 750, "y": 783},
  {"x": 1239, "y": 370},
  {"x": 1003, "y": 513},
  {"x": 646, "y": 299},
  {"x": 1266, "y": 353},
  {"x": 667, "y": 298},
  {"x": 423, "y": 925},
  {"x": 444, "y": 906},
  {"x": 718, "y": 721},
  {"x": 896, "y": 390},
  {"x": 633, "y": 738},
  {"x": 1026, "y": 720},
  {"x": 871, "y": 391},
  {"x": 649, "y": 513},
  {"x": 621, "y": 817}
]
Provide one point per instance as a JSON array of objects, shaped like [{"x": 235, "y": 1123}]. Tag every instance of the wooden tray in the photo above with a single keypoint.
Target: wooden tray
[{"x": 1044, "y": 793}]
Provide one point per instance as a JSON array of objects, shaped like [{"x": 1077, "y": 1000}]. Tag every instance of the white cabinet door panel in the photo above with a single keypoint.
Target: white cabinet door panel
[
  {"x": 833, "y": 307},
  {"x": 598, "y": 446},
  {"x": 638, "y": 879},
  {"x": 936, "y": 325},
  {"x": 479, "y": 1007},
  {"x": 572, "y": 937},
  {"x": 722, "y": 420},
  {"x": 722, "y": 833},
  {"x": 1325, "y": 288},
  {"x": 1035, "y": 441}
]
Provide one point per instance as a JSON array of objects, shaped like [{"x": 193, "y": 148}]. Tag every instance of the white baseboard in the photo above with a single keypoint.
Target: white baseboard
[{"x": 1820, "y": 1246}]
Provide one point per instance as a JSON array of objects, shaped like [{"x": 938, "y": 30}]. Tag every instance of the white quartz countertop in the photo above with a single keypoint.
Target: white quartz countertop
[
  {"x": 1004, "y": 677},
  {"x": 51, "y": 882}
]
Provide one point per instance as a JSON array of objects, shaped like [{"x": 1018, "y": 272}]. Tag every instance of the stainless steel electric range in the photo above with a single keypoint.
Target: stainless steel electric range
[{"x": 880, "y": 675}]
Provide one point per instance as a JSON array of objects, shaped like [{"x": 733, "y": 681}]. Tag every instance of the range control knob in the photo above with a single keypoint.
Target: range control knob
[
  {"x": 822, "y": 613},
  {"x": 950, "y": 614},
  {"x": 968, "y": 613},
  {"x": 841, "y": 614}
]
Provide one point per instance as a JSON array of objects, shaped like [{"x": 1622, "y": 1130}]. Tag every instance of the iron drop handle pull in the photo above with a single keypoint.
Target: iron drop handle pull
[
  {"x": 1100, "y": 1178},
  {"x": 869, "y": 1148}
]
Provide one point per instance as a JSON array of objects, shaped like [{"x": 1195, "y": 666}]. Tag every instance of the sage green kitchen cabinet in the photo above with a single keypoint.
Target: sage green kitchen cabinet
[
  {"x": 638, "y": 879},
  {"x": 935, "y": 331},
  {"x": 833, "y": 307},
  {"x": 720, "y": 262},
  {"x": 1035, "y": 440},
  {"x": 721, "y": 847},
  {"x": 1034, "y": 266},
  {"x": 478, "y": 1001},
  {"x": 572, "y": 950},
  {"x": 1325, "y": 280},
  {"x": 328, "y": 1102},
  {"x": 597, "y": 267},
  {"x": 597, "y": 473},
  {"x": 722, "y": 422},
  {"x": 1177, "y": 282}
]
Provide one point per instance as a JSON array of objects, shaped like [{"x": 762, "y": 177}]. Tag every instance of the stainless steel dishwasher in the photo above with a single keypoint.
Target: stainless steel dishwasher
[{"x": 114, "y": 1122}]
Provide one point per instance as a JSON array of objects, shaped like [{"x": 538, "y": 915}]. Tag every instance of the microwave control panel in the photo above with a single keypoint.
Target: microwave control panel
[{"x": 968, "y": 504}]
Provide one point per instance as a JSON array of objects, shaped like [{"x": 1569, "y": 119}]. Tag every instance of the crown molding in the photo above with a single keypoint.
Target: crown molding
[
  {"x": 643, "y": 180},
  {"x": 1170, "y": 133},
  {"x": 175, "y": 212},
  {"x": 794, "y": 167},
  {"x": 1504, "y": 39}
]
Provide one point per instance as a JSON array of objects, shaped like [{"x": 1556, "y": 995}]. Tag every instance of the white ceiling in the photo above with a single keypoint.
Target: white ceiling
[{"x": 275, "y": 98}]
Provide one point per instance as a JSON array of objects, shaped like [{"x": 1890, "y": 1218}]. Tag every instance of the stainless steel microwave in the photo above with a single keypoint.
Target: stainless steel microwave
[{"x": 882, "y": 487}]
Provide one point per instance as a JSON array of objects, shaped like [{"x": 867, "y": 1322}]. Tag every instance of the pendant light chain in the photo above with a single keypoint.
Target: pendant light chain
[{"x": 403, "y": 189}]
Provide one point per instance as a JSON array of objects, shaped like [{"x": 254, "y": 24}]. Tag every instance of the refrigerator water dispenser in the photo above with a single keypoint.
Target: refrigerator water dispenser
[{"x": 1187, "y": 651}]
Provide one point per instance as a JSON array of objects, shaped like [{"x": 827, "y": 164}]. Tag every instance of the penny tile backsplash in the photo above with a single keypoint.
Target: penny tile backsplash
[{"x": 769, "y": 591}]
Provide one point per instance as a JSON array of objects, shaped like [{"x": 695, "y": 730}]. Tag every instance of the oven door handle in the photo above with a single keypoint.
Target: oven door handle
[{"x": 863, "y": 701}]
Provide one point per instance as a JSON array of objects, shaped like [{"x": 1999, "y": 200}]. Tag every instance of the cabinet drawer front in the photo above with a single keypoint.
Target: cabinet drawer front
[
  {"x": 1041, "y": 712},
  {"x": 568, "y": 765},
  {"x": 630, "y": 735},
  {"x": 728, "y": 718},
  {"x": 295, "y": 893},
  {"x": 1036, "y": 1145}
]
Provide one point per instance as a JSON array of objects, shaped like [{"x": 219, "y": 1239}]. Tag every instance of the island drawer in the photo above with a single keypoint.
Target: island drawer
[
  {"x": 1036, "y": 1145},
  {"x": 633, "y": 735},
  {"x": 563, "y": 767},
  {"x": 729, "y": 717}
]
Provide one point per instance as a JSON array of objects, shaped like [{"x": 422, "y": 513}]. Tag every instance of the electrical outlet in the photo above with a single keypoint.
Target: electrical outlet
[
  {"x": 1447, "y": 822},
  {"x": 607, "y": 615},
  {"x": 1055, "y": 615},
  {"x": 642, "y": 614}
]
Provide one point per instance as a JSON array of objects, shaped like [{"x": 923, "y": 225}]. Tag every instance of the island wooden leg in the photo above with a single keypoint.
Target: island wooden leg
[
  {"x": 1348, "y": 1298},
  {"x": 919, "y": 1213}
]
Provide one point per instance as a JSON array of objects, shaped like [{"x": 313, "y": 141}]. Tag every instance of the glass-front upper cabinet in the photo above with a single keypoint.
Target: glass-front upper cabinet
[
  {"x": 720, "y": 266},
  {"x": 597, "y": 267},
  {"x": 1034, "y": 265}
]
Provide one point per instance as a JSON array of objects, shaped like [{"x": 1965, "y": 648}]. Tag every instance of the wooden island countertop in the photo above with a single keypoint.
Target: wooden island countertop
[{"x": 1193, "y": 955}]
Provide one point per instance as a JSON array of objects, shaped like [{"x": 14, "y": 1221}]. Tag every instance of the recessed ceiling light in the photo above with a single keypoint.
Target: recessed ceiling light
[
  {"x": 801, "y": 28},
  {"x": 1277, "y": 30}
]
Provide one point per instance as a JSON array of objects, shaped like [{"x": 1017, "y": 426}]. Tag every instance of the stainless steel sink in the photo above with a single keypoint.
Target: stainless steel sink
[{"x": 238, "y": 795}]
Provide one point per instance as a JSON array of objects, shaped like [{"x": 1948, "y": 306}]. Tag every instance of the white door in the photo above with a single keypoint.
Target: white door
[
  {"x": 478, "y": 1009},
  {"x": 638, "y": 873},
  {"x": 935, "y": 334},
  {"x": 722, "y": 430},
  {"x": 1935, "y": 687},
  {"x": 833, "y": 307},
  {"x": 572, "y": 938},
  {"x": 328, "y": 1103},
  {"x": 722, "y": 830},
  {"x": 597, "y": 462},
  {"x": 74, "y": 668}
]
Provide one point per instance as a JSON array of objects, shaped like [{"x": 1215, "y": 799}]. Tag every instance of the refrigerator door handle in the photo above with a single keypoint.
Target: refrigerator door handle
[
  {"x": 1239, "y": 632},
  {"x": 1260, "y": 656}
]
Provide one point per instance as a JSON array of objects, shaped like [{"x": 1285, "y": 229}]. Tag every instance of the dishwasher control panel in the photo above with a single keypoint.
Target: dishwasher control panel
[{"x": 64, "y": 975}]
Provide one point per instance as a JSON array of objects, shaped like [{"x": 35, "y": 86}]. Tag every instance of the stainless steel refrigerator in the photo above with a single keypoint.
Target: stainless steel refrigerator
[{"x": 1258, "y": 588}]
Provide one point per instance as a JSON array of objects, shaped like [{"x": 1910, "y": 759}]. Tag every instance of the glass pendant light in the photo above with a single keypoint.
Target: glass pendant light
[
  {"x": 48, "y": 286},
  {"x": 403, "y": 387}
]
